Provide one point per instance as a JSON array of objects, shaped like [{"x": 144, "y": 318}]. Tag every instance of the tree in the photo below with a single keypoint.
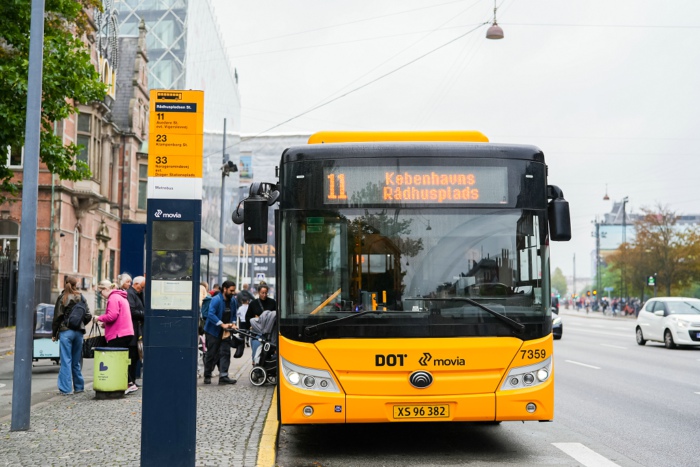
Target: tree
[
  {"x": 69, "y": 78},
  {"x": 559, "y": 281},
  {"x": 661, "y": 247}
]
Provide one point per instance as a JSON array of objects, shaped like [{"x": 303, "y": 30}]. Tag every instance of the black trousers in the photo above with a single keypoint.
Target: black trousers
[
  {"x": 125, "y": 342},
  {"x": 218, "y": 351}
]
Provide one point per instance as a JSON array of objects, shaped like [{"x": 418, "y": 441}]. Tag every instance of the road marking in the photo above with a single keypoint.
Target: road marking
[
  {"x": 2, "y": 385},
  {"x": 614, "y": 346},
  {"x": 698, "y": 393},
  {"x": 583, "y": 364},
  {"x": 585, "y": 455},
  {"x": 603, "y": 333}
]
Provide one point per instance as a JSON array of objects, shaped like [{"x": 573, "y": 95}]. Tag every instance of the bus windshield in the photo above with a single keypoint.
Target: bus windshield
[{"x": 413, "y": 264}]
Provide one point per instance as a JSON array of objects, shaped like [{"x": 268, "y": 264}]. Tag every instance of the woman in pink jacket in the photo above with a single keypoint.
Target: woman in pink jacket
[{"x": 119, "y": 329}]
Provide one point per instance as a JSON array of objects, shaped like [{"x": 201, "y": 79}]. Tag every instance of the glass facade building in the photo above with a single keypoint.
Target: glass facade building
[{"x": 185, "y": 51}]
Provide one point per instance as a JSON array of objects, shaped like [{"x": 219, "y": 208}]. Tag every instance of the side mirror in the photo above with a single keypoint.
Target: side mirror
[
  {"x": 559, "y": 220},
  {"x": 255, "y": 220},
  {"x": 559, "y": 217},
  {"x": 659, "y": 313}
]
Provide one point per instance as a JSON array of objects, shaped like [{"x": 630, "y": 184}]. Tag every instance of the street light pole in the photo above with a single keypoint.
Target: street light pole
[
  {"x": 624, "y": 241},
  {"x": 221, "y": 218},
  {"x": 597, "y": 257},
  {"x": 597, "y": 236}
]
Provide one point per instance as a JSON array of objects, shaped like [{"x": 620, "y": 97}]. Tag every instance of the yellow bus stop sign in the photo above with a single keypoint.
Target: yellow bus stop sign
[{"x": 176, "y": 130}]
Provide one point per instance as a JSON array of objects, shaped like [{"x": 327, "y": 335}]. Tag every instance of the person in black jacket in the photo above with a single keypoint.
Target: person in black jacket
[
  {"x": 256, "y": 308},
  {"x": 260, "y": 304},
  {"x": 133, "y": 295},
  {"x": 70, "y": 376}
]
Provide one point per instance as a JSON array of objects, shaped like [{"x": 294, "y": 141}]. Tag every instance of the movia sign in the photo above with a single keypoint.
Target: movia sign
[{"x": 168, "y": 429}]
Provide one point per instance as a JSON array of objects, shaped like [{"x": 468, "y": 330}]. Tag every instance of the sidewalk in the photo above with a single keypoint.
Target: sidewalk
[
  {"x": 79, "y": 430},
  {"x": 7, "y": 340},
  {"x": 592, "y": 314}
]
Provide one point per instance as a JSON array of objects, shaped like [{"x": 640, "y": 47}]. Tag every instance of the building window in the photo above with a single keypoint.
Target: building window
[
  {"x": 88, "y": 136},
  {"x": 15, "y": 157},
  {"x": 143, "y": 186},
  {"x": 76, "y": 249},
  {"x": 83, "y": 138},
  {"x": 112, "y": 263}
]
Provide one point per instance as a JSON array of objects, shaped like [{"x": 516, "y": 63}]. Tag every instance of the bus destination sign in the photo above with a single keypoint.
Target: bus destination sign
[{"x": 415, "y": 185}]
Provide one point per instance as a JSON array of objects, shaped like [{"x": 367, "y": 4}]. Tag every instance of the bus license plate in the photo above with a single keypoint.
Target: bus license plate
[{"x": 421, "y": 411}]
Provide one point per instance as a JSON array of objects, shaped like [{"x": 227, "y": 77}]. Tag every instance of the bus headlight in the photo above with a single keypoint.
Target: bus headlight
[
  {"x": 293, "y": 377},
  {"x": 308, "y": 378},
  {"x": 528, "y": 376}
]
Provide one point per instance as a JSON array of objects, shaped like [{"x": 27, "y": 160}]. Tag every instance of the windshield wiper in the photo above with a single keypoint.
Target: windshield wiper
[
  {"x": 518, "y": 327},
  {"x": 311, "y": 330}
]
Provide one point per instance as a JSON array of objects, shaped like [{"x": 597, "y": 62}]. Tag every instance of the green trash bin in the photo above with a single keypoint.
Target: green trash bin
[{"x": 110, "y": 374}]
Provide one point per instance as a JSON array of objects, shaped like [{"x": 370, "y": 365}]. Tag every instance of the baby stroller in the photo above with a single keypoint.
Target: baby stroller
[{"x": 263, "y": 337}]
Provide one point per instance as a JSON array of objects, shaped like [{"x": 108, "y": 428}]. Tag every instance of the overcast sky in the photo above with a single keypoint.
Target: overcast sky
[{"x": 609, "y": 90}]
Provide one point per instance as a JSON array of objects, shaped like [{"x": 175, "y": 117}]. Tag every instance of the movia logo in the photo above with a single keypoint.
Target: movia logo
[
  {"x": 167, "y": 215},
  {"x": 427, "y": 358}
]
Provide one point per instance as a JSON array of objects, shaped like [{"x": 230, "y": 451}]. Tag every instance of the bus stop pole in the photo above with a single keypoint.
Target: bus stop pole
[{"x": 22, "y": 378}]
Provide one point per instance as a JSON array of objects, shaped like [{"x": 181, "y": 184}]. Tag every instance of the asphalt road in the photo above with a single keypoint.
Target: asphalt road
[
  {"x": 617, "y": 403},
  {"x": 44, "y": 381}
]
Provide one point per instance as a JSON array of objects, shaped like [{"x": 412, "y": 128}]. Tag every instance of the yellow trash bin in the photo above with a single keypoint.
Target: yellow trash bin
[{"x": 110, "y": 374}]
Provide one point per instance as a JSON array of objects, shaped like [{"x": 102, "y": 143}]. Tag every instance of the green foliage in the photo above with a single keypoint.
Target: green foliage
[
  {"x": 559, "y": 282},
  {"x": 68, "y": 78},
  {"x": 661, "y": 247}
]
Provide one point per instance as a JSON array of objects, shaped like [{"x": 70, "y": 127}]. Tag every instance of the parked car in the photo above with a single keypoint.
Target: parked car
[
  {"x": 671, "y": 320},
  {"x": 557, "y": 326}
]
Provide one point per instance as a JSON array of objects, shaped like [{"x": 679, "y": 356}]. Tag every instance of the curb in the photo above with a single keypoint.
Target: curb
[{"x": 268, "y": 440}]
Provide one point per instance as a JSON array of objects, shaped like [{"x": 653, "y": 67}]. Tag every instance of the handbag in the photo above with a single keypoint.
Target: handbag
[
  {"x": 139, "y": 345},
  {"x": 93, "y": 341}
]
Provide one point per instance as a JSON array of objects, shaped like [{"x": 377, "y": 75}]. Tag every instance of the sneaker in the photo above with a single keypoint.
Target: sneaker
[
  {"x": 226, "y": 380},
  {"x": 207, "y": 380},
  {"x": 132, "y": 388}
]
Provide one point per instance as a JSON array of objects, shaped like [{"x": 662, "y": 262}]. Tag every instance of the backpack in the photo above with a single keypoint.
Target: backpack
[
  {"x": 205, "y": 308},
  {"x": 75, "y": 316}
]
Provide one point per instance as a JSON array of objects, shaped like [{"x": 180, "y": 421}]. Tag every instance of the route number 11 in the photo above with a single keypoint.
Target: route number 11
[{"x": 342, "y": 194}]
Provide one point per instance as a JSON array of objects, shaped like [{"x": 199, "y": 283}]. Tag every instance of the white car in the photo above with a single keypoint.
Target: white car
[{"x": 671, "y": 320}]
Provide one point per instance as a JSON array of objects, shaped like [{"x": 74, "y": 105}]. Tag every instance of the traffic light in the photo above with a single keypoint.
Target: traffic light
[
  {"x": 588, "y": 293},
  {"x": 595, "y": 292}
]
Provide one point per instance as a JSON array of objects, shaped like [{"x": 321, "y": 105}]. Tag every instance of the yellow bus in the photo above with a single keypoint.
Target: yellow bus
[{"x": 413, "y": 279}]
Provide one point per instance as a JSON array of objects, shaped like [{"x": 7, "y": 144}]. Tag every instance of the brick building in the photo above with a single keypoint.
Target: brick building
[{"x": 79, "y": 223}]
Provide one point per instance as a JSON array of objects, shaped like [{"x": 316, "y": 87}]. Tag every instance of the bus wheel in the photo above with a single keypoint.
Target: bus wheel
[{"x": 258, "y": 375}]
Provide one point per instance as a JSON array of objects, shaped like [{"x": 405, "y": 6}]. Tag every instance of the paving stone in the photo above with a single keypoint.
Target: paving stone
[{"x": 78, "y": 430}]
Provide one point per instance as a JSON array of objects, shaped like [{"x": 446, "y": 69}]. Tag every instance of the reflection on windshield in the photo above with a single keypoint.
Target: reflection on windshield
[{"x": 412, "y": 260}]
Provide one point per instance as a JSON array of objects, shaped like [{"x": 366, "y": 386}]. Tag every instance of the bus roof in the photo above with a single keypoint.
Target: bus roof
[{"x": 379, "y": 136}]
